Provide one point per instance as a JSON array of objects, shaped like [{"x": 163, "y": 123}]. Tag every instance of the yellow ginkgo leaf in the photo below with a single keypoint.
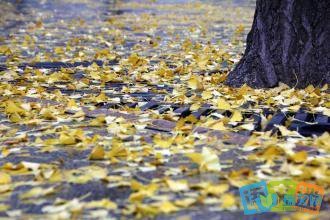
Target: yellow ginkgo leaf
[
  {"x": 300, "y": 157},
  {"x": 95, "y": 75},
  {"x": 97, "y": 122},
  {"x": 195, "y": 107},
  {"x": 195, "y": 157},
  {"x": 219, "y": 126},
  {"x": 4, "y": 178},
  {"x": 323, "y": 141},
  {"x": 136, "y": 60},
  {"x": 163, "y": 142},
  {"x": 253, "y": 141},
  {"x": 207, "y": 160},
  {"x": 11, "y": 108},
  {"x": 285, "y": 132},
  {"x": 101, "y": 97},
  {"x": 217, "y": 189},
  {"x": 47, "y": 113},
  {"x": 117, "y": 150},
  {"x": 145, "y": 191},
  {"x": 207, "y": 95},
  {"x": 326, "y": 111},
  {"x": 72, "y": 103},
  {"x": 85, "y": 174},
  {"x": 223, "y": 104},
  {"x": 37, "y": 192},
  {"x": 54, "y": 176},
  {"x": 177, "y": 185},
  {"x": 15, "y": 118},
  {"x": 145, "y": 210},
  {"x": 185, "y": 203},
  {"x": 236, "y": 117},
  {"x": 211, "y": 160},
  {"x": 103, "y": 203},
  {"x": 67, "y": 139},
  {"x": 59, "y": 50},
  {"x": 167, "y": 207},
  {"x": 97, "y": 153},
  {"x": 79, "y": 114},
  {"x": 195, "y": 83},
  {"x": 227, "y": 201},
  {"x": 4, "y": 207}
]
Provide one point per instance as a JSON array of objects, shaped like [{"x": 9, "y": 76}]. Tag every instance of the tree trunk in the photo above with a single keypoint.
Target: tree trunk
[{"x": 289, "y": 42}]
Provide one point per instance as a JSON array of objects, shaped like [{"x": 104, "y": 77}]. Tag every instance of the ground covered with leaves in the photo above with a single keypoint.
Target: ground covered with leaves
[{"x": 113, "y": 109}]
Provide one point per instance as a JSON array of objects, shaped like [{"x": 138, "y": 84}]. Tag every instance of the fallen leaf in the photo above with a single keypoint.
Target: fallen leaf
[
  {"x": 4, "y": 178},
  {"x": 97, "y": 153},
  {"x": 299, "y": 157},
  {"x": 236, "y": 117},
  {"x": 228, "y": 201},
  {"x": 177, "y": 185},
  {"x": 37, "y": 192},
  {"x": 167, "y": 207},
  {"x": 223, "y": 104},
  {"x": 207, "y": 160},
  {"x": 103, "y": 203},
  {"x": 195, "y": 83},
  {"x": 67, "y": 139}
]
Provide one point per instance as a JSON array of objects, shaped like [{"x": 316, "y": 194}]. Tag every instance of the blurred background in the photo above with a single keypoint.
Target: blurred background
[{"x": 33, "y": 29}]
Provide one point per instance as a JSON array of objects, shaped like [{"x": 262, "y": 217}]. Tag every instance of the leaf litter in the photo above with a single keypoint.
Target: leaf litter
[{"x": 66, "y": 154}]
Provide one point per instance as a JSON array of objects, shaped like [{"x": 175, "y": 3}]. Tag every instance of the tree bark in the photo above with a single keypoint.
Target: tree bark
[{"x": 289, "y": 42}]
